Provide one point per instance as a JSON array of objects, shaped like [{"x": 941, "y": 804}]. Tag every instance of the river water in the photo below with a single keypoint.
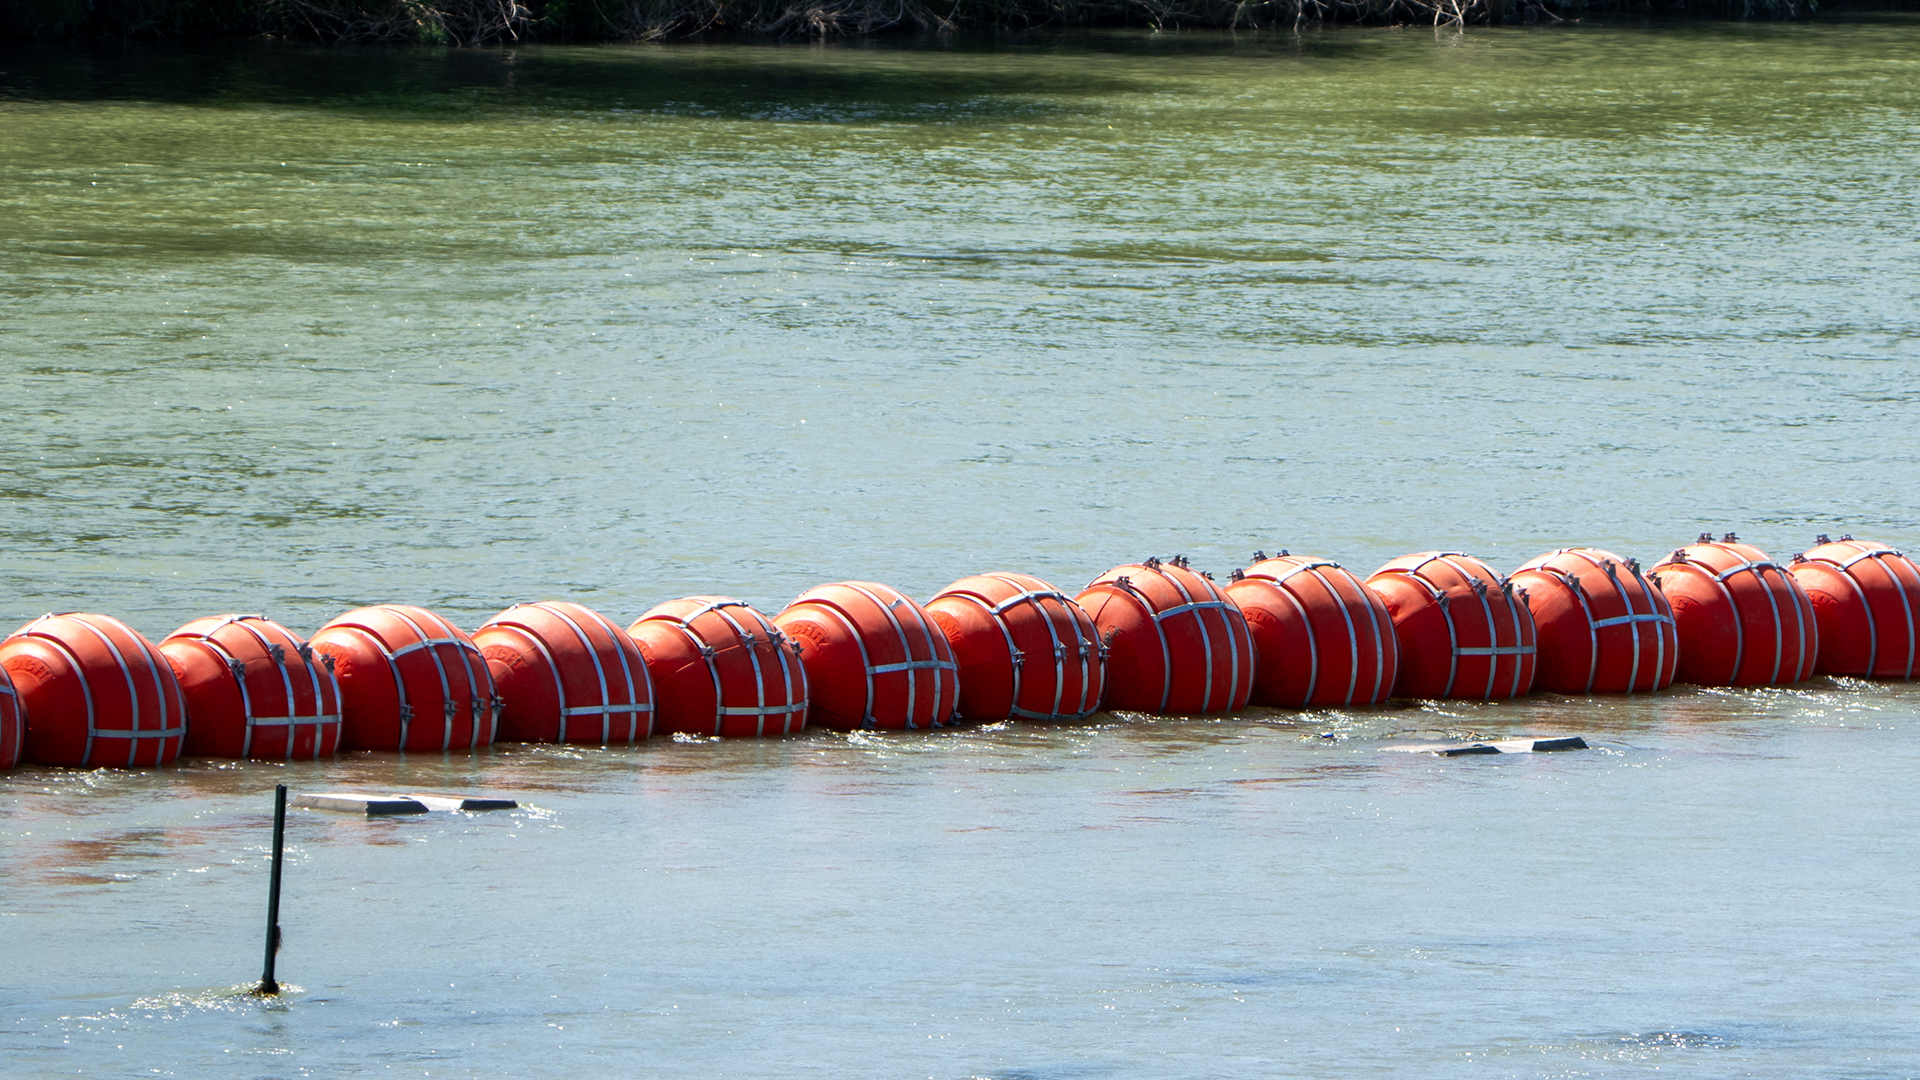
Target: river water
[{"x": 292, "y": 330}]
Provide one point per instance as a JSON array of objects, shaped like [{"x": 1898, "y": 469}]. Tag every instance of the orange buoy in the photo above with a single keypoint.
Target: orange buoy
[
  {"x": 1741, "y": 617},
  {"x": 720, "y": 668},
  {"x": 1323, "y": 637},
  {"x": 1462, "y": 632},
  {"x": 1175, "y": 643},
  {"x": 874, "y": 658},
  {"x": 13, "y": 723},
  {"x": 95, "y": 692},
  {"x": 1602, "y": 627},
  {"x": 1866, "y": 602},
  {"x": 565, "y": 675},
  {"x": 253, "y": 690},
  {"x": 409, "y": 680},
  {"x": 1023, "y": 648}
]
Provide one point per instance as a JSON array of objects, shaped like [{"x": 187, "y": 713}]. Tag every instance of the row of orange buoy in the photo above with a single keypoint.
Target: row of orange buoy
[{"x": 1153, "y": 637}]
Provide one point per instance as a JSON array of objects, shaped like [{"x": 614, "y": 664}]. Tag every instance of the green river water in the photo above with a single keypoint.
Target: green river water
[{"x": 291, "y": 330}]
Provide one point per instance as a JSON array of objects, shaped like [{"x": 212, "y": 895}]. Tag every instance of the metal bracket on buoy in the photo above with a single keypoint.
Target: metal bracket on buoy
[
  {"x": 328, "y": 657},
  {"x": 1821, "y": 539},
  {"x": 1237, "y": 575},
  {"x": 1124, "y": 582},
  {"x": 279, "y": 653},
  {"x": 239, "y": 669},
  {"x": 1259, "y": 556},
  {"x": 1729, "y": 539},
  {"x": 1705, "y": 538}
]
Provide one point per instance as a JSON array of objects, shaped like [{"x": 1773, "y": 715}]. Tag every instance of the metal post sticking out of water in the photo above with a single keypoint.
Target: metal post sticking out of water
[{"x": 267, "y": 985}]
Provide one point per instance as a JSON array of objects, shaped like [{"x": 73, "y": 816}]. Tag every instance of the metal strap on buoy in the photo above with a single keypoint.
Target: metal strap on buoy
[
  {"x": 933, "y": 663},
  {"x": 721, "y": 710},
  {"x": 237, "y": 668},
  {"x": 1633, "y": 618},
  {"x": 761, "y": 710},
  {"x": 607, "y": 708},
  {"x": 1316, "y": 568},
  {"x": 1086, "y": 644},
  {"x": 1454, "y": 648},
  {"x": 1863, "y": 553},
  {"x": 1023, "y": 595},
  {"x": 427, "y": 642},
  {"x": 1759, "y": 567},
  {"x": 136, "y": 733},
  {"x": 1216, "y": 602}
]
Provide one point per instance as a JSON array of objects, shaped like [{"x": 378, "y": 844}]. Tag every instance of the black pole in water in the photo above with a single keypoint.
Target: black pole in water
[{"x": 267, "y": 985}]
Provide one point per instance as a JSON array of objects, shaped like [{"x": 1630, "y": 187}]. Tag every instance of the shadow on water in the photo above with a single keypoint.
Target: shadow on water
[
  {"x": 770, "y": 81},
  {"x": 977, "y": 77}
]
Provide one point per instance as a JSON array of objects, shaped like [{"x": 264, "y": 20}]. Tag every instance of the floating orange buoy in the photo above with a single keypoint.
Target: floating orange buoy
[
  {"x": 1866, "y": 600},
  {"x": 720, "y": 668},
  {"x": 1742, "y": 619},
  {"x": 1023, "y": 648},
  {"x": 409, "y": 680},
  {"x": 95, "y": 693},
  {"x": 565, "y": 674},
  {"x": 1602, "y": 627},
  {"x": 1323, "y": 637},
  {"x": 874, "y": 658},
  {"x": 253, "y": 690},
  {"x": 1175, "y": 643},
  {"x": 1462, "y": 632},
  {"x": 13, "y": 723}
]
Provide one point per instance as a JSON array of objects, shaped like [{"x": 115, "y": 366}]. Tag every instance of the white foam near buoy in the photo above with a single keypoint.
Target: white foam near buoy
[
  {"x": 369, "y": 805},
  {"x": 1503, "y": 746}
]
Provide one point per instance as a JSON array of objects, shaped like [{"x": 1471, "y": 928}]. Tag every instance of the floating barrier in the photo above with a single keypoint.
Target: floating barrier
[
  {"x": 253, "y": 690},
  {"x": 13, "y": 723},
  {"x": 874, "y": 658},
  {"x": 1323, "y": 638},
  {"x": 1023, "y": 648},
  {"x": 1866, "y": 600},
  {"x": 1601, "y": 627},
  {"x": 721, "y": 668},
  {"x": 409, "y": 680},
  {"x": 95, "y": 692},
  {"x": 1176, "y": 644},
  {"x": 1742, "y": 618},
  {"x": 566, "y": 675},
  {"x": 1154, "y": 637},
  {"x": 1463, "y": 634}
]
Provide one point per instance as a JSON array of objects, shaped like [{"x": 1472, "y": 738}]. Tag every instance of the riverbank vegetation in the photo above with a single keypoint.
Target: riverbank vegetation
[{"x": 483, "y": 22}]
